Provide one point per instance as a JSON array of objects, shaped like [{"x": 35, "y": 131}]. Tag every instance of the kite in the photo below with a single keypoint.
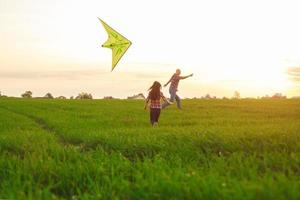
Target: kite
[{"x": 116, "y": 42}]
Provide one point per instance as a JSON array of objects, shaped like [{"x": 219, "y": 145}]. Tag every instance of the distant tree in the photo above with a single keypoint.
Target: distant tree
[
  {"x": 71, "y": 97},
  {"x": 61, "y": 97},
  {"x": 84, "y": 95},
  {"x": 207, "y": 96},
  {"x": 236, "y": 95},
  {"x": 278, "y": 96},
  {"x": 108, "y": 97},
  {"x": 27, "y": 94},
  {"x": 48, "y": 96}
]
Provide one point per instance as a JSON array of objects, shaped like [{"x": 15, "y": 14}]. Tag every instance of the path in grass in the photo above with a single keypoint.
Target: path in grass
[{"x": 106, "y": 149}]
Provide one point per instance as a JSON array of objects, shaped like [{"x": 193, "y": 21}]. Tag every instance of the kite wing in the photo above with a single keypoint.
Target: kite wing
[{"x": 116, "y": 42}]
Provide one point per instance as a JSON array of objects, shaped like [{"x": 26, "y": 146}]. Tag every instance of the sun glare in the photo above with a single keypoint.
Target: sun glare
[{"x": 239, "y": 49}]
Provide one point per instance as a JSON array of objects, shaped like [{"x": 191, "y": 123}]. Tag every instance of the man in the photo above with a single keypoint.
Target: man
[{"x": 174, "y": 80}]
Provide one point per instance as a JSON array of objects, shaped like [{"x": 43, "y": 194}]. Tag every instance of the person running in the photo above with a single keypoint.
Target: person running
[
  {"x": 154, "y": 96},
  {"x": 174, "y": 80}
]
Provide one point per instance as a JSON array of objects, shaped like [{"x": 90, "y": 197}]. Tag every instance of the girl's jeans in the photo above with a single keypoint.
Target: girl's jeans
[{"x": 154, "y": 115}]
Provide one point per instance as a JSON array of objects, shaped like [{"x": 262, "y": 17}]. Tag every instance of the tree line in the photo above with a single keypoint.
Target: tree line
[
  {"x": 85, "y": 95},
  {"x": 82, "y": 95}
]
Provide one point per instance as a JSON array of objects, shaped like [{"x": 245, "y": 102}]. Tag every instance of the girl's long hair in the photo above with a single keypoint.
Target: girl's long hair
[{"x": 155, "y": 91}]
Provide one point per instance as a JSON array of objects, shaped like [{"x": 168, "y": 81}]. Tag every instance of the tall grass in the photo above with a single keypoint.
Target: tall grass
[{"x": 106, "y": 149}]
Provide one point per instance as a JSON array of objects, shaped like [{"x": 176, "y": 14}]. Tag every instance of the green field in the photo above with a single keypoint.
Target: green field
[{"x": 106, "y": 149}]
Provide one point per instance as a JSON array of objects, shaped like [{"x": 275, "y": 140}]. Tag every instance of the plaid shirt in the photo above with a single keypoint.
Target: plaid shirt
[
  {"x": 174, "y": 82},
  {"x": 155, "y": 103}
]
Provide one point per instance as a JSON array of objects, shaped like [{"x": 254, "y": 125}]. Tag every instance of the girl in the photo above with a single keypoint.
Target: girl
[{"x": 155, "y": 106}]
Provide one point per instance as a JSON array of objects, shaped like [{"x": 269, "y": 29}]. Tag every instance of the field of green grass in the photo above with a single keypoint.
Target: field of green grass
[{"x": 106, "y": 149}]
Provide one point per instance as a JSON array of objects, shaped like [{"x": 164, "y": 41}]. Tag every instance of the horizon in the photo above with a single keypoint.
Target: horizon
[
  {"x": 55, "y": 46},
  {"x": 205, "y": 96}
]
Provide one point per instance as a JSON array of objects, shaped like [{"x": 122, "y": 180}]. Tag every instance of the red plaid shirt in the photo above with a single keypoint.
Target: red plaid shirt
[
  {"x": 174, "y": 81},
  {"x": 155, "y": 103}
]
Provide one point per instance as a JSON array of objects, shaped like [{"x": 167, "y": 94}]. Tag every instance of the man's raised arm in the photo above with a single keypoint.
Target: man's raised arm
[{"x": 184, "y": 77}]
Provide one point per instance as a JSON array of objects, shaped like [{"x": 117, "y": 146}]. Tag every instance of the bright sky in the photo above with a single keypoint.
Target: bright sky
[{"x": 55, "y": 46}]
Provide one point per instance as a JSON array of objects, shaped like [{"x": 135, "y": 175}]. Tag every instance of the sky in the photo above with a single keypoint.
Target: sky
[{"x": 55, "y": 46}]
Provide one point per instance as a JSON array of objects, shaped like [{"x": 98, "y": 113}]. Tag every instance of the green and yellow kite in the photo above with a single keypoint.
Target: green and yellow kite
[{"x": 116, "y": 42}]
